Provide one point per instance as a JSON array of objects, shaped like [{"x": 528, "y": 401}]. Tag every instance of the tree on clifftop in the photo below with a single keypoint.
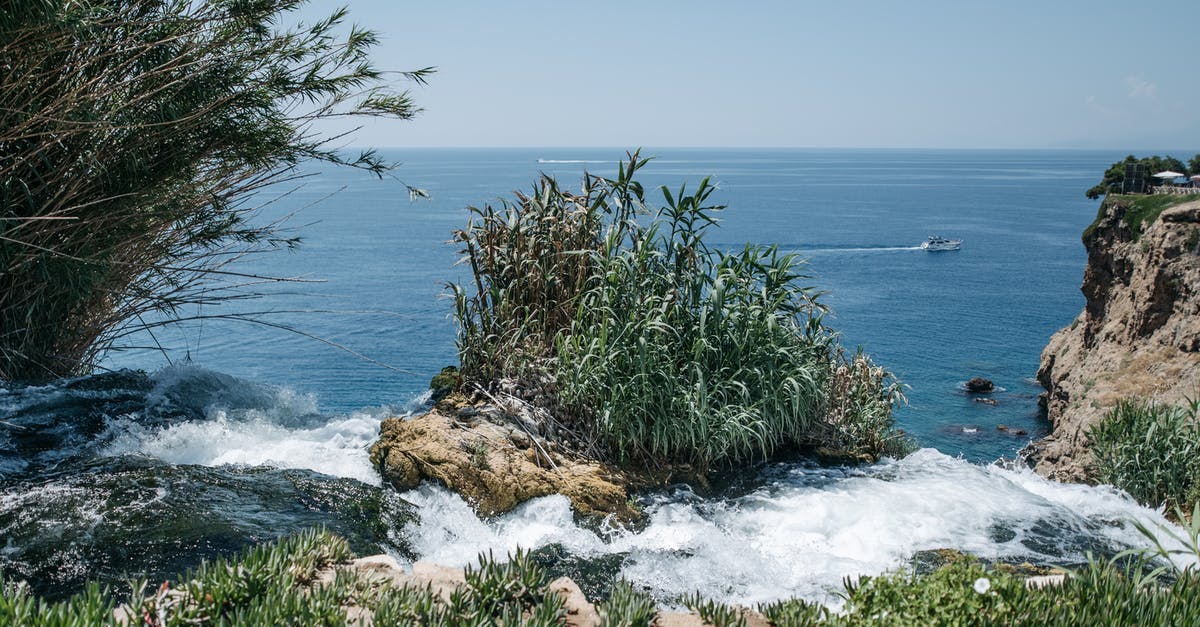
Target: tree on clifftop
[
  {"x": 1114, "y": 176},
  {"x": 133, "y": 134}
]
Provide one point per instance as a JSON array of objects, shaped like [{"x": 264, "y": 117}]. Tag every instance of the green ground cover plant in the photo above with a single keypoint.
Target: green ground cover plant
[
  {"x": 277, "y": 584},
  {"x": 658, "y": 347},
  {"x": 1140, "y": 210}
]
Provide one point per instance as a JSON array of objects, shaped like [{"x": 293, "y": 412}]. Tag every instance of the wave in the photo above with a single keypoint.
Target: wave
[
  {"x": 806, "y": 527},
  {"x": 182, "y": 415}
]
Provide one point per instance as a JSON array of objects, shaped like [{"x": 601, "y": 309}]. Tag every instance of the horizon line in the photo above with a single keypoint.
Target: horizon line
[{"x": 684, "y": 147}]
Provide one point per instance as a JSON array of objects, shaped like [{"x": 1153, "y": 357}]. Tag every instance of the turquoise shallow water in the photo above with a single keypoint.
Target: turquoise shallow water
[{"x": 936, "y": 319}]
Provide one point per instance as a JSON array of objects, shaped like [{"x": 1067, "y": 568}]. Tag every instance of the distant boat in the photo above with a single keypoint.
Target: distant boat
[{"x": 935, "y": 243}]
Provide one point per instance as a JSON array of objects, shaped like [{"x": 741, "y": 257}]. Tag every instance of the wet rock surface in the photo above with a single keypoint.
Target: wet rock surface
[
  {"x": 979, "y": 385},
  {"x": 496, "y": 459}
]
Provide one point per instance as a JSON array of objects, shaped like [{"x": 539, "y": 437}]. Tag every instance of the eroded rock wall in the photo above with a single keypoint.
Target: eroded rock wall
[{"x": 1138, "y": 335}]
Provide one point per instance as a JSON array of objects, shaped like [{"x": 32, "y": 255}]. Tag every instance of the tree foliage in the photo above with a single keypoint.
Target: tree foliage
[
  {"x": 133, "y": 135},
  {"x": 1114, "y": 176}
]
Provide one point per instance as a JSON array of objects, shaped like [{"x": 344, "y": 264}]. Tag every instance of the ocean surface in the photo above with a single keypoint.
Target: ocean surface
[
  {"x": 236, "y": 433},
  {"x": 858, "y": 216}
]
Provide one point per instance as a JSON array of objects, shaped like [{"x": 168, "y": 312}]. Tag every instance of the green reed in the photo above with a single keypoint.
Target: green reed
[
  {"x": 661, "y": 348},
  {"x": 135, "y": 137},
  {"x": 1151, "y": 451}
]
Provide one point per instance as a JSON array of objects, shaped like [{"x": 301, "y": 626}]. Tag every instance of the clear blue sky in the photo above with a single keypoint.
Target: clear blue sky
[{"x": 956, "y": 74}]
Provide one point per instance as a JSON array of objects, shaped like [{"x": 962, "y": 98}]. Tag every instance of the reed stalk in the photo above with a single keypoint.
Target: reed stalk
[
  {"x": 658, "y": 347},
  {"x": 137, "y": 140}
]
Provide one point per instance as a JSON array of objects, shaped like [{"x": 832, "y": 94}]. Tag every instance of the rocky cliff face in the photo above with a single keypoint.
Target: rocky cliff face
[{"x": 1138, "y": 335}]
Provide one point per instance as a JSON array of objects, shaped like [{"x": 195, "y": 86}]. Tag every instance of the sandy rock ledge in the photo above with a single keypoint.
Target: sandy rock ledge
[{"x": 494, "y": 463}]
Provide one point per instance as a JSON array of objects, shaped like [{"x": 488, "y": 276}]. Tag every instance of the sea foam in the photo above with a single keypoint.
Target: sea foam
[
  {"x": 806, "y": 528},
  {"x": 241, "y": 423},
  {"x": 800, "y": 529}
]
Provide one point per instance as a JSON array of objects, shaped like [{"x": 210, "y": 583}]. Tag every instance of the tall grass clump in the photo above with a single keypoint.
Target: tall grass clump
[
  {"x": 1151, "y": 451},
  {"x": 659, "y": 347},
  {"x": 133, "y": 137}
]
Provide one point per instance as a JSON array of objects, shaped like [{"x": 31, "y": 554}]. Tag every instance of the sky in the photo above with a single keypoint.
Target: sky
[{"x": 853, "y": 74}]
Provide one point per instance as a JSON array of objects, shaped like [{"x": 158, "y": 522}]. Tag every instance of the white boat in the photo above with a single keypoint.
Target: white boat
[{"x": 935, "y": 243}]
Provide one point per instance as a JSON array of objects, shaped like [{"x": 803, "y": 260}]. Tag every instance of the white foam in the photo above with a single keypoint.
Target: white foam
[
  {"x": 451, "y": 534},
  {"x": 251, "y": 425},
  {"x": 337, "y": 448},
  {"x": 808, "y": 528}
]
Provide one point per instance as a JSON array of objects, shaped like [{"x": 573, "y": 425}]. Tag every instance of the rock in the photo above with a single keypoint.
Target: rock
[
  {"x": 1020, "y": 432},
  {"x": 481, "y": 462},
  {"x": 1137, "y": 336},
  {"x": 688, "y": 619},
  {"x": 378, "y": 567},
  {"x": 444, "y": 383},
  {"x": 979, "y": 385},
  {"x": 442, "y": 579},
  {"x": 1001, "y": 427},
  {"x": 580, "y": 613},
  {"x": 519, "y": 439},
  {"x": 987, "y": 401}
]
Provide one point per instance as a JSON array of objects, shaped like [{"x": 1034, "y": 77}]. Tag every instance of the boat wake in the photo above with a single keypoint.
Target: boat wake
[{"x": 854, "y": 249}]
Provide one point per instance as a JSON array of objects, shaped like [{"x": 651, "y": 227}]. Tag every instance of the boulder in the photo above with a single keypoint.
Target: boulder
[
  {"x": 979, "y": 385},
  {"x": 580, "y": 612},
  {"x": 494, "y": 465}
]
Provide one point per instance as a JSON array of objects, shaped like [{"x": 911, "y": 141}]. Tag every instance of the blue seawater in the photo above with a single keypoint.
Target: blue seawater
[
  {"x": 254, "y": 432},
  {"x": 857, "y": 216}
]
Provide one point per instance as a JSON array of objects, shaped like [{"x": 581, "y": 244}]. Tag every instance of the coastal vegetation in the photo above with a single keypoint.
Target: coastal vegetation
[
  {"x": 652, "y": 346},
  {"x": 135, "y": 138},
  {"x": 1139, "y": 210},
  {"x": 1113, "y": 181},
  {"x": 304, "y": 580},
  {"x": 1151, "y": 451}
]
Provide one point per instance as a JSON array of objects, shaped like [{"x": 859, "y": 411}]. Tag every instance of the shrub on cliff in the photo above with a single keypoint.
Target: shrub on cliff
[
  {"x": 662, "y": 348},
  {"x": 1150, "y": 451},
  {"x": 133, "y": 135}
]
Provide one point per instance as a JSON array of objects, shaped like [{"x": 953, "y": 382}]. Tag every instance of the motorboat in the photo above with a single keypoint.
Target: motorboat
[{"x": 935, "y": 243}]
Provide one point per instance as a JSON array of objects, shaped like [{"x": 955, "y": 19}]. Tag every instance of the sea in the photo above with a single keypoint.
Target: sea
[{"x": 199, "y": 440}]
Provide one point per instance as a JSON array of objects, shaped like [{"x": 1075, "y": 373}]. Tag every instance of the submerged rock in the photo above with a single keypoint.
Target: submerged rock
[
  {"x": 494, "y": 465},
  {"x": 980, "y": 385}
]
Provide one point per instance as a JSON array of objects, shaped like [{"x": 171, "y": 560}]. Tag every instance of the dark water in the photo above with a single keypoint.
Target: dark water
[
  {"x": 256, "y": 433},
  {"x": 79, "y": 500}
]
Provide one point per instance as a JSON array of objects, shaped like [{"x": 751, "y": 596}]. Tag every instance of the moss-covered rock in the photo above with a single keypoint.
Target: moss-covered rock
[{"x": 444, "y": 383}]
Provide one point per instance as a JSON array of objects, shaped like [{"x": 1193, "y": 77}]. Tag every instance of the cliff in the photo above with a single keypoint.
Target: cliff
[{"x": 1138, "y": 334}]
